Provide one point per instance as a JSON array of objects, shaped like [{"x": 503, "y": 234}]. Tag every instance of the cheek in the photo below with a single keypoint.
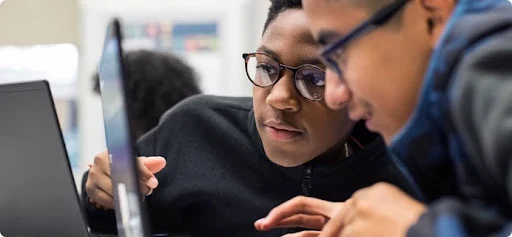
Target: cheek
[
  {"x": 330, "y": 126},
  {"x": 371, "y": 72},
  {"x": 387, "y": 76},
  {"x": 259, "y": 96},
  {"x": 361, "y": 75}
]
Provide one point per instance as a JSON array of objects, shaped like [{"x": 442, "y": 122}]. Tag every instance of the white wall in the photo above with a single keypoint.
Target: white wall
[
  {"x": 29, "y": 22},
  {"x": 240, "y": 27}
]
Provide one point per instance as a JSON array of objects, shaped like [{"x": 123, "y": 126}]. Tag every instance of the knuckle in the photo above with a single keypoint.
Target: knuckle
[
  {"x": 300, "y": 202},
  {"x": 98, "y": 159},
  {"x": 299, "y": 199},
  {"x": 91, "y": 190},
  {"x": 92, "y": 173},
  {"x": 90, "y": 182},
  {"x": 362, "y": 206},
  {"x": 358, "y": 194},
  {"x": 93, "y": 176},
  {"x": 380, "y": 186}
]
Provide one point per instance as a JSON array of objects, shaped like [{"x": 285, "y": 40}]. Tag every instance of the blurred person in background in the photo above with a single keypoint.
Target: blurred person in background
[{"x": 156, "y": 82}]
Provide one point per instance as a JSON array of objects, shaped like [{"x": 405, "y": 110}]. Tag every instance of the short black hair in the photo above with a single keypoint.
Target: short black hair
[
  {"x": 279, "y": 6},
  {"x": 156, "y": 82}
]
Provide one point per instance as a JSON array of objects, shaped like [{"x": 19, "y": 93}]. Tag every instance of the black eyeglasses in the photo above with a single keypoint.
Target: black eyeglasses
[
  {"x": 264, "y": 70},
  {"x": 332, "y": 54}
]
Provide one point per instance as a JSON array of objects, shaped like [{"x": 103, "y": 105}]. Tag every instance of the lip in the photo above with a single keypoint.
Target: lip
[
  {"x": 369, "y": 124},
  {"x": 359, "y": 115},
  {"x": 367, "y": 117},
  {"x": 282, "y": 131}
]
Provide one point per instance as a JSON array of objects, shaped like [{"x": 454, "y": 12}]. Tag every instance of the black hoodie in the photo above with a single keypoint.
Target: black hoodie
[{"x": 218, "y": 180}]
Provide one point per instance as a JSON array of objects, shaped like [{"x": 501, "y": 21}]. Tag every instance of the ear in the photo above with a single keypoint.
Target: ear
[{"x": 438, "y": 13}]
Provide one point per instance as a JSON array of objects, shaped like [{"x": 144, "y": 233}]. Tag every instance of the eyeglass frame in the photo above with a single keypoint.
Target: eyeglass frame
[
  {"x": 247, "y": 56},
  {"x": 380, "y": 18}
]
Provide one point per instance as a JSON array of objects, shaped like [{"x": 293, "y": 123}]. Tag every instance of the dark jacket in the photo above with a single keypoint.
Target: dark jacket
[
  {"x": 218, "y": 180},
  {"x": 458, "y": 144}
]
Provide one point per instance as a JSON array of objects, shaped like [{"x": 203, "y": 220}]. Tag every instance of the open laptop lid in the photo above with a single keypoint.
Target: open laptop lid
[
  {"x": 130, "y": 214},
  {"x": 37, "y": 192}
]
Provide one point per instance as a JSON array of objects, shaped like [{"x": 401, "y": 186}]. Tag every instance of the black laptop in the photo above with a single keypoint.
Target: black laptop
[{"x": 38, "y": 196}]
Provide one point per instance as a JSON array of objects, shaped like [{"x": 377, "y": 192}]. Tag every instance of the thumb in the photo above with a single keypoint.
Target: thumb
[{"x": 154, "y": 163}]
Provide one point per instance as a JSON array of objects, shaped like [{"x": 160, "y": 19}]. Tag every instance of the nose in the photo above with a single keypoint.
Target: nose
[
  {"x": 337, "y": 93},
  {"x": 283, "y": 95}
]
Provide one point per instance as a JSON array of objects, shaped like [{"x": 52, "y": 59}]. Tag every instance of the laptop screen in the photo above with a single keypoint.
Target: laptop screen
[
  {"x": 119, "y": 140},
  {"x": 37, "y": 192}
]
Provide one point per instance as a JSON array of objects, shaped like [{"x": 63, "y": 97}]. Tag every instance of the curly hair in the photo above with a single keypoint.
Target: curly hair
[{"x": 156, "y": 82}]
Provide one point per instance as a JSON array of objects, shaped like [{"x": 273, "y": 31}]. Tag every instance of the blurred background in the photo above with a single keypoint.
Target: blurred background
[{"x": 61, "y": 41}]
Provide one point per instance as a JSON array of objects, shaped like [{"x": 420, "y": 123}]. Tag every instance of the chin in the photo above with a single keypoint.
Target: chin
[
  {"x": 286, "y": 163},
  {"x": 285, "y": 159},
  {"x": 388, "y": 137}
]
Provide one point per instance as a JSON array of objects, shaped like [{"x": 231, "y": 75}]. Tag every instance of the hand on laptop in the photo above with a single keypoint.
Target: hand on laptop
[
  {"x": 99, "y": 182},
  {"x": 380, "y": 208},
  {"x": 304, "y": 212}
]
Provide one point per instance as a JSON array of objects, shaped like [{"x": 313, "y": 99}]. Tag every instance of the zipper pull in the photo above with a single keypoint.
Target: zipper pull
[{"x": 306, "y": 180}]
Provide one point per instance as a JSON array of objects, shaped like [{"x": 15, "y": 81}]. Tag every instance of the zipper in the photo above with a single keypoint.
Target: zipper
[
  {"x": 305, "y": 190},
  {"x": 306, "y": 185}
]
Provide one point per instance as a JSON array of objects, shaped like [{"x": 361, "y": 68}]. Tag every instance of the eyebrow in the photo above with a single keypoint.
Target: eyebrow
[
  {"x": 265, "y": 49},
  {"x": 313, "y": 60},
  {"x": 327, "y": 36}
]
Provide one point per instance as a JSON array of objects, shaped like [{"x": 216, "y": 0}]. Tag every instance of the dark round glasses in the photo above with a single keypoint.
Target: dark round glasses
[{"x": 264, "y": 70}]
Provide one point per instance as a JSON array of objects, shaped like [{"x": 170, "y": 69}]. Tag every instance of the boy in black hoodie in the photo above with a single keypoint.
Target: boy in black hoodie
[{"x": 228, "y": 161}]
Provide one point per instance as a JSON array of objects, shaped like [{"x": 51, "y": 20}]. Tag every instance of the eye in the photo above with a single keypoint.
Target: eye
[
  {"x": 315, "y": 78},
  {"x": 266, "y": 68}
]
